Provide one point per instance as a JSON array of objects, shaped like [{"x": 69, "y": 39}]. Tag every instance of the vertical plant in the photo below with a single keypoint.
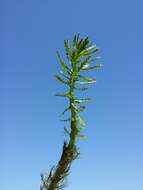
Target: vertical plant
[{"x": 79, "y": 61}]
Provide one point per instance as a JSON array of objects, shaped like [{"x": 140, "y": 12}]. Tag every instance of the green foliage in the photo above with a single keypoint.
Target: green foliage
[{"x": 79, "y": 60}]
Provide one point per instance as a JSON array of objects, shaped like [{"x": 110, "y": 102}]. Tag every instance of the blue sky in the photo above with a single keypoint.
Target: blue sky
[{"x": 31, "y": 135}]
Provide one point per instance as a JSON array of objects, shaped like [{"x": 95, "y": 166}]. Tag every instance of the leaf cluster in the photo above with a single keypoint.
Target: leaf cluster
[{"x": 73, "y": 72}]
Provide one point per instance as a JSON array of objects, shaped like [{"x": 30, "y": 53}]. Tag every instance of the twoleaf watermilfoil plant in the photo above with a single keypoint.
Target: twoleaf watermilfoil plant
[{"x": 79, "y": 61}]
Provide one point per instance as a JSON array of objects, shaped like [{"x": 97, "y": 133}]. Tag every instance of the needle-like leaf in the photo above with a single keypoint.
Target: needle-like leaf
[
  {"x": 93, "y": 67},
  {"x": 67, "y": 49},
  {"x": 67, "y": 109},
  {"x": 64, "y": 67},
  {"x": 66, "y": 94},
  {"x": 60, "y": 79},
  {"x": 87, "y": 82}
]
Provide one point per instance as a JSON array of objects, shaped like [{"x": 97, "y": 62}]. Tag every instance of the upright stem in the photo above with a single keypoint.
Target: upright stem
[{"x": 69, "y": 152}]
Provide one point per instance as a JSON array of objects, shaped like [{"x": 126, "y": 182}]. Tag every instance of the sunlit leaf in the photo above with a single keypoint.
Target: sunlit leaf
[
  {"x": 84, "y": 62},
  {"x": 86, "y": 78},
  {"x": 93, "y": 67},
  {"x": 87, "y": 82},
  {"x": 91, "y": 52},
  {"x": 95, "y": 59}
]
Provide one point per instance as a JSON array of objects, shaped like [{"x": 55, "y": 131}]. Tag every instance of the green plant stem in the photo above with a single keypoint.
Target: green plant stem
[{"x": 69, "y": 152}]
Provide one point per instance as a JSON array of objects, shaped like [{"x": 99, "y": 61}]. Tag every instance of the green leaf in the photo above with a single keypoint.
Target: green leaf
[
  {"x": 63, "y": 65},
  {"x": 80, "y": 43},
  {"x": 66, "y": 131},
  {"x": 65, "y": 76},
  {"x": 66, "y": 94},
  {"x": 60, "y": 79},
  {"x": 67, "y": 49},
  {"x": 75, "y": 43},
  {"x": 95, "y": 59},
  {"x": 86, "y": 78},
  {"x": 91, "y": 47},
  {"x": 75, "y": 40},
  {"x": 81, "y": 137},
  {"x": 81, "y": 108},
  {"x": 81, "y": 89},
  {"x": 83, "y": 45},
  {"x": 85, "y": 66},
  {"x": 87, "y": 82},
  {"x": 64, "y": 111},
  {"x": 74, "y": 106},
  {"x": 81, "y": 121},
  {"x": 80, "y": 100},
  {"x": 65, "y": 120},
  {"x": 84, "y": 62},
  {"x": 91, "y": 52},
  {"x": 93, "y": 67}
]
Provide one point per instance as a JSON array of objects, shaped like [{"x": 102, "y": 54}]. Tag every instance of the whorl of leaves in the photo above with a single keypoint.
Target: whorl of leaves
[{"x": 79, "y": 60}]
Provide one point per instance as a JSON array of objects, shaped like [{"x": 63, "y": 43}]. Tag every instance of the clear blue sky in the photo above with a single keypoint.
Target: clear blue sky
[{"x": 31, "y": 135}]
